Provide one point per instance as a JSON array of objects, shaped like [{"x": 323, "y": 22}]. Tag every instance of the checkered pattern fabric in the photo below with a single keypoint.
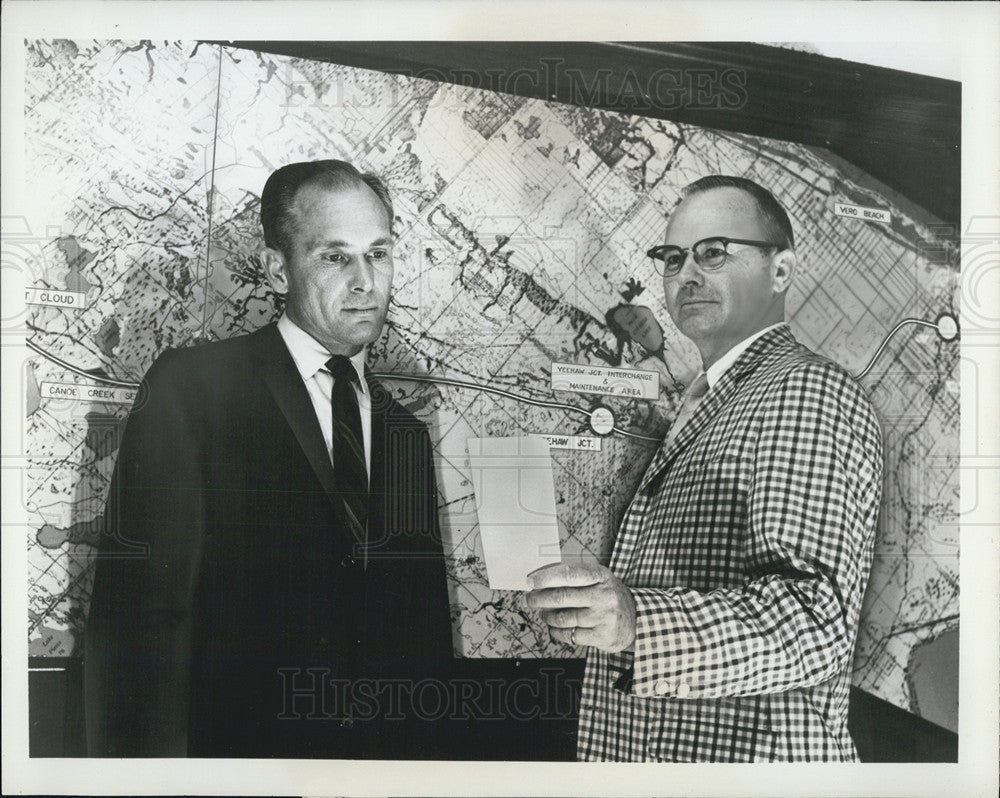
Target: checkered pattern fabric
[{"x": 747, "y": 547}]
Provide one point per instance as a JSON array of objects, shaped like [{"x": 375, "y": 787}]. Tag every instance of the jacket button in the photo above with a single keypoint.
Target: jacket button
[
  {"x": 348, "y": 562},
  {"x": 683, "y": 690},
  {"x": 346, "y": 723},
  {"x": 662, "y": 687}
]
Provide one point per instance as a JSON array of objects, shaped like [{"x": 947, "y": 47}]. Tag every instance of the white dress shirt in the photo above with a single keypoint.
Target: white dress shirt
[{"x": 310, "y": 358}]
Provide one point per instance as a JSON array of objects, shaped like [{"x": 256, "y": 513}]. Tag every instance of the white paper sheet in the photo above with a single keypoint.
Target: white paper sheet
[{"x": 516, "y": 505}]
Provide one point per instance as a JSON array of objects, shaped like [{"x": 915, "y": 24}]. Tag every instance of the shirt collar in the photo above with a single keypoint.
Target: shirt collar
[
  {"x": 721, "y": 366},
  {"x": 310, "y": 355}
]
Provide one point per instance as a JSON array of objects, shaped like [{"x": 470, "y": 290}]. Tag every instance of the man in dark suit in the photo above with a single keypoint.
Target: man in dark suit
[
  {"x": 725, "y": 627},
  {"x": 272, "y": 580}
]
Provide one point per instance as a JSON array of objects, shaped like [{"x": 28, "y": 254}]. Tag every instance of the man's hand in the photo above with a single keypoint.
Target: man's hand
[{"x": 584, "y": 605}]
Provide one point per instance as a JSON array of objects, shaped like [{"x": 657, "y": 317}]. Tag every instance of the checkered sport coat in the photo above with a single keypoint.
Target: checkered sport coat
[{"x": 747, "y": 548}]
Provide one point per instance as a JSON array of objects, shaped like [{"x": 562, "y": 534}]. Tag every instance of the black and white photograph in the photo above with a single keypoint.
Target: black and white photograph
[{"x": 430, "y": 398}]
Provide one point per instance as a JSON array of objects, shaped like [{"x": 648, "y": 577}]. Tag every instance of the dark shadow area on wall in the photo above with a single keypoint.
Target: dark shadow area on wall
[{"x": 881, "y": 120}]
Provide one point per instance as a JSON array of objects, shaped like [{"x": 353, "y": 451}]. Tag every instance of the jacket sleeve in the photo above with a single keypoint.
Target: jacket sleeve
[
  {"x": 138, "y": 634},
  {"x": 417, "y": 566},
  {"x": 812, "y": 501}
]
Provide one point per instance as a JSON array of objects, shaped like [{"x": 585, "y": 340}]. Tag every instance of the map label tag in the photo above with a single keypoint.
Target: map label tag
[
  {"x": 576, "y": 443},
  {"x": 55, "y": 299},
  {"x": 88, "y": 392},
  {"x": 626, "y": 383},
  {"x": 859, "y": 212}
]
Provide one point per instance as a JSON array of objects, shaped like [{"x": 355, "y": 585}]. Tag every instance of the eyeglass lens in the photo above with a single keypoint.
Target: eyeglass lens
[{"x": 708, "y": 254}]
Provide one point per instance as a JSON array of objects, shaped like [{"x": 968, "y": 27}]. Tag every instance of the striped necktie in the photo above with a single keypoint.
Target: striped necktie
[
  {"x": 349, "y": 447},
  {"x": 692, "y": 397}
]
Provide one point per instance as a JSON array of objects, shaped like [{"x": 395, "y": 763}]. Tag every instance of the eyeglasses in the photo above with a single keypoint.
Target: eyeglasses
[{"x": 709, "y": 253}]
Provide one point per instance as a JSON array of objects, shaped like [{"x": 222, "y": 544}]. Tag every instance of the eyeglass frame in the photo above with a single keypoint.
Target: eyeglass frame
[{"x": 656, "y": 253}]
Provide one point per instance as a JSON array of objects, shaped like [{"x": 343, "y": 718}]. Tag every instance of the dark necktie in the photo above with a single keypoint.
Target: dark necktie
[{"x": 349, "y": 447}]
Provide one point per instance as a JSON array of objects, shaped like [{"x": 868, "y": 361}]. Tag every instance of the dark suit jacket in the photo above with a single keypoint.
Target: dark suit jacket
[{"x": 231, "y": 615}]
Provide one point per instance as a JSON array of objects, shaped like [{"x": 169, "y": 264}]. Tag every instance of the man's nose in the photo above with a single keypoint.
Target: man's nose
[
  {"x": 690, "y": 271},
  {"x": 362, "y": 275}
]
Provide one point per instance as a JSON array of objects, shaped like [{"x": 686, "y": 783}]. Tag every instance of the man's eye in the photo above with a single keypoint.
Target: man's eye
[
  {"x": 335, "y": 258},
  {"x": 673, "y": 261},
  {"x": 713, "y": 251},
  {"x": 379, "y": 254}
]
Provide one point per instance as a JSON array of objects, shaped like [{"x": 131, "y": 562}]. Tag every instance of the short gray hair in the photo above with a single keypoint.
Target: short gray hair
[
  {"x": 284, "y": 184},
  {"x": 779, "y": 226}
]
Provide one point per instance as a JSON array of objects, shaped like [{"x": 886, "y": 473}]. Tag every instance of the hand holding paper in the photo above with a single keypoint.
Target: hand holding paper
[{"x": 584, "y": 605}]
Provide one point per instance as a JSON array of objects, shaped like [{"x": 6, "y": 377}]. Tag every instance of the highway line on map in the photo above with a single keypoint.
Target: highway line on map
[
  {"x": 378, "y": 375},
  {"x": 211, "y": 194},
  {"x": 473, "y": 386},
  {"x": 77, "y": 370},
  {"x": 888, "y": 338}
]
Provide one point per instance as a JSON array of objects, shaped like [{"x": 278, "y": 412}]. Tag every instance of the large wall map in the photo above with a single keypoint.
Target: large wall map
[{"x": 522, "y": 227}]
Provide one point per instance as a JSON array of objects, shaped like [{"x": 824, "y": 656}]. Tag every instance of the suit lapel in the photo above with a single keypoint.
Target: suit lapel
[
  {"x": 714, "y": 401},
  {"x": 283, "y": 380}
]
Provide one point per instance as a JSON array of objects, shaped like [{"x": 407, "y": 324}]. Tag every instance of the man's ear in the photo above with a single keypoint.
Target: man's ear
[
  {"x": 782, "y": 270},
  {"x": 275, "y": 269}
]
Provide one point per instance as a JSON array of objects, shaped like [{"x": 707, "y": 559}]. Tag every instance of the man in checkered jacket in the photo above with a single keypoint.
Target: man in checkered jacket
[{"x": 725, "y": 627}]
